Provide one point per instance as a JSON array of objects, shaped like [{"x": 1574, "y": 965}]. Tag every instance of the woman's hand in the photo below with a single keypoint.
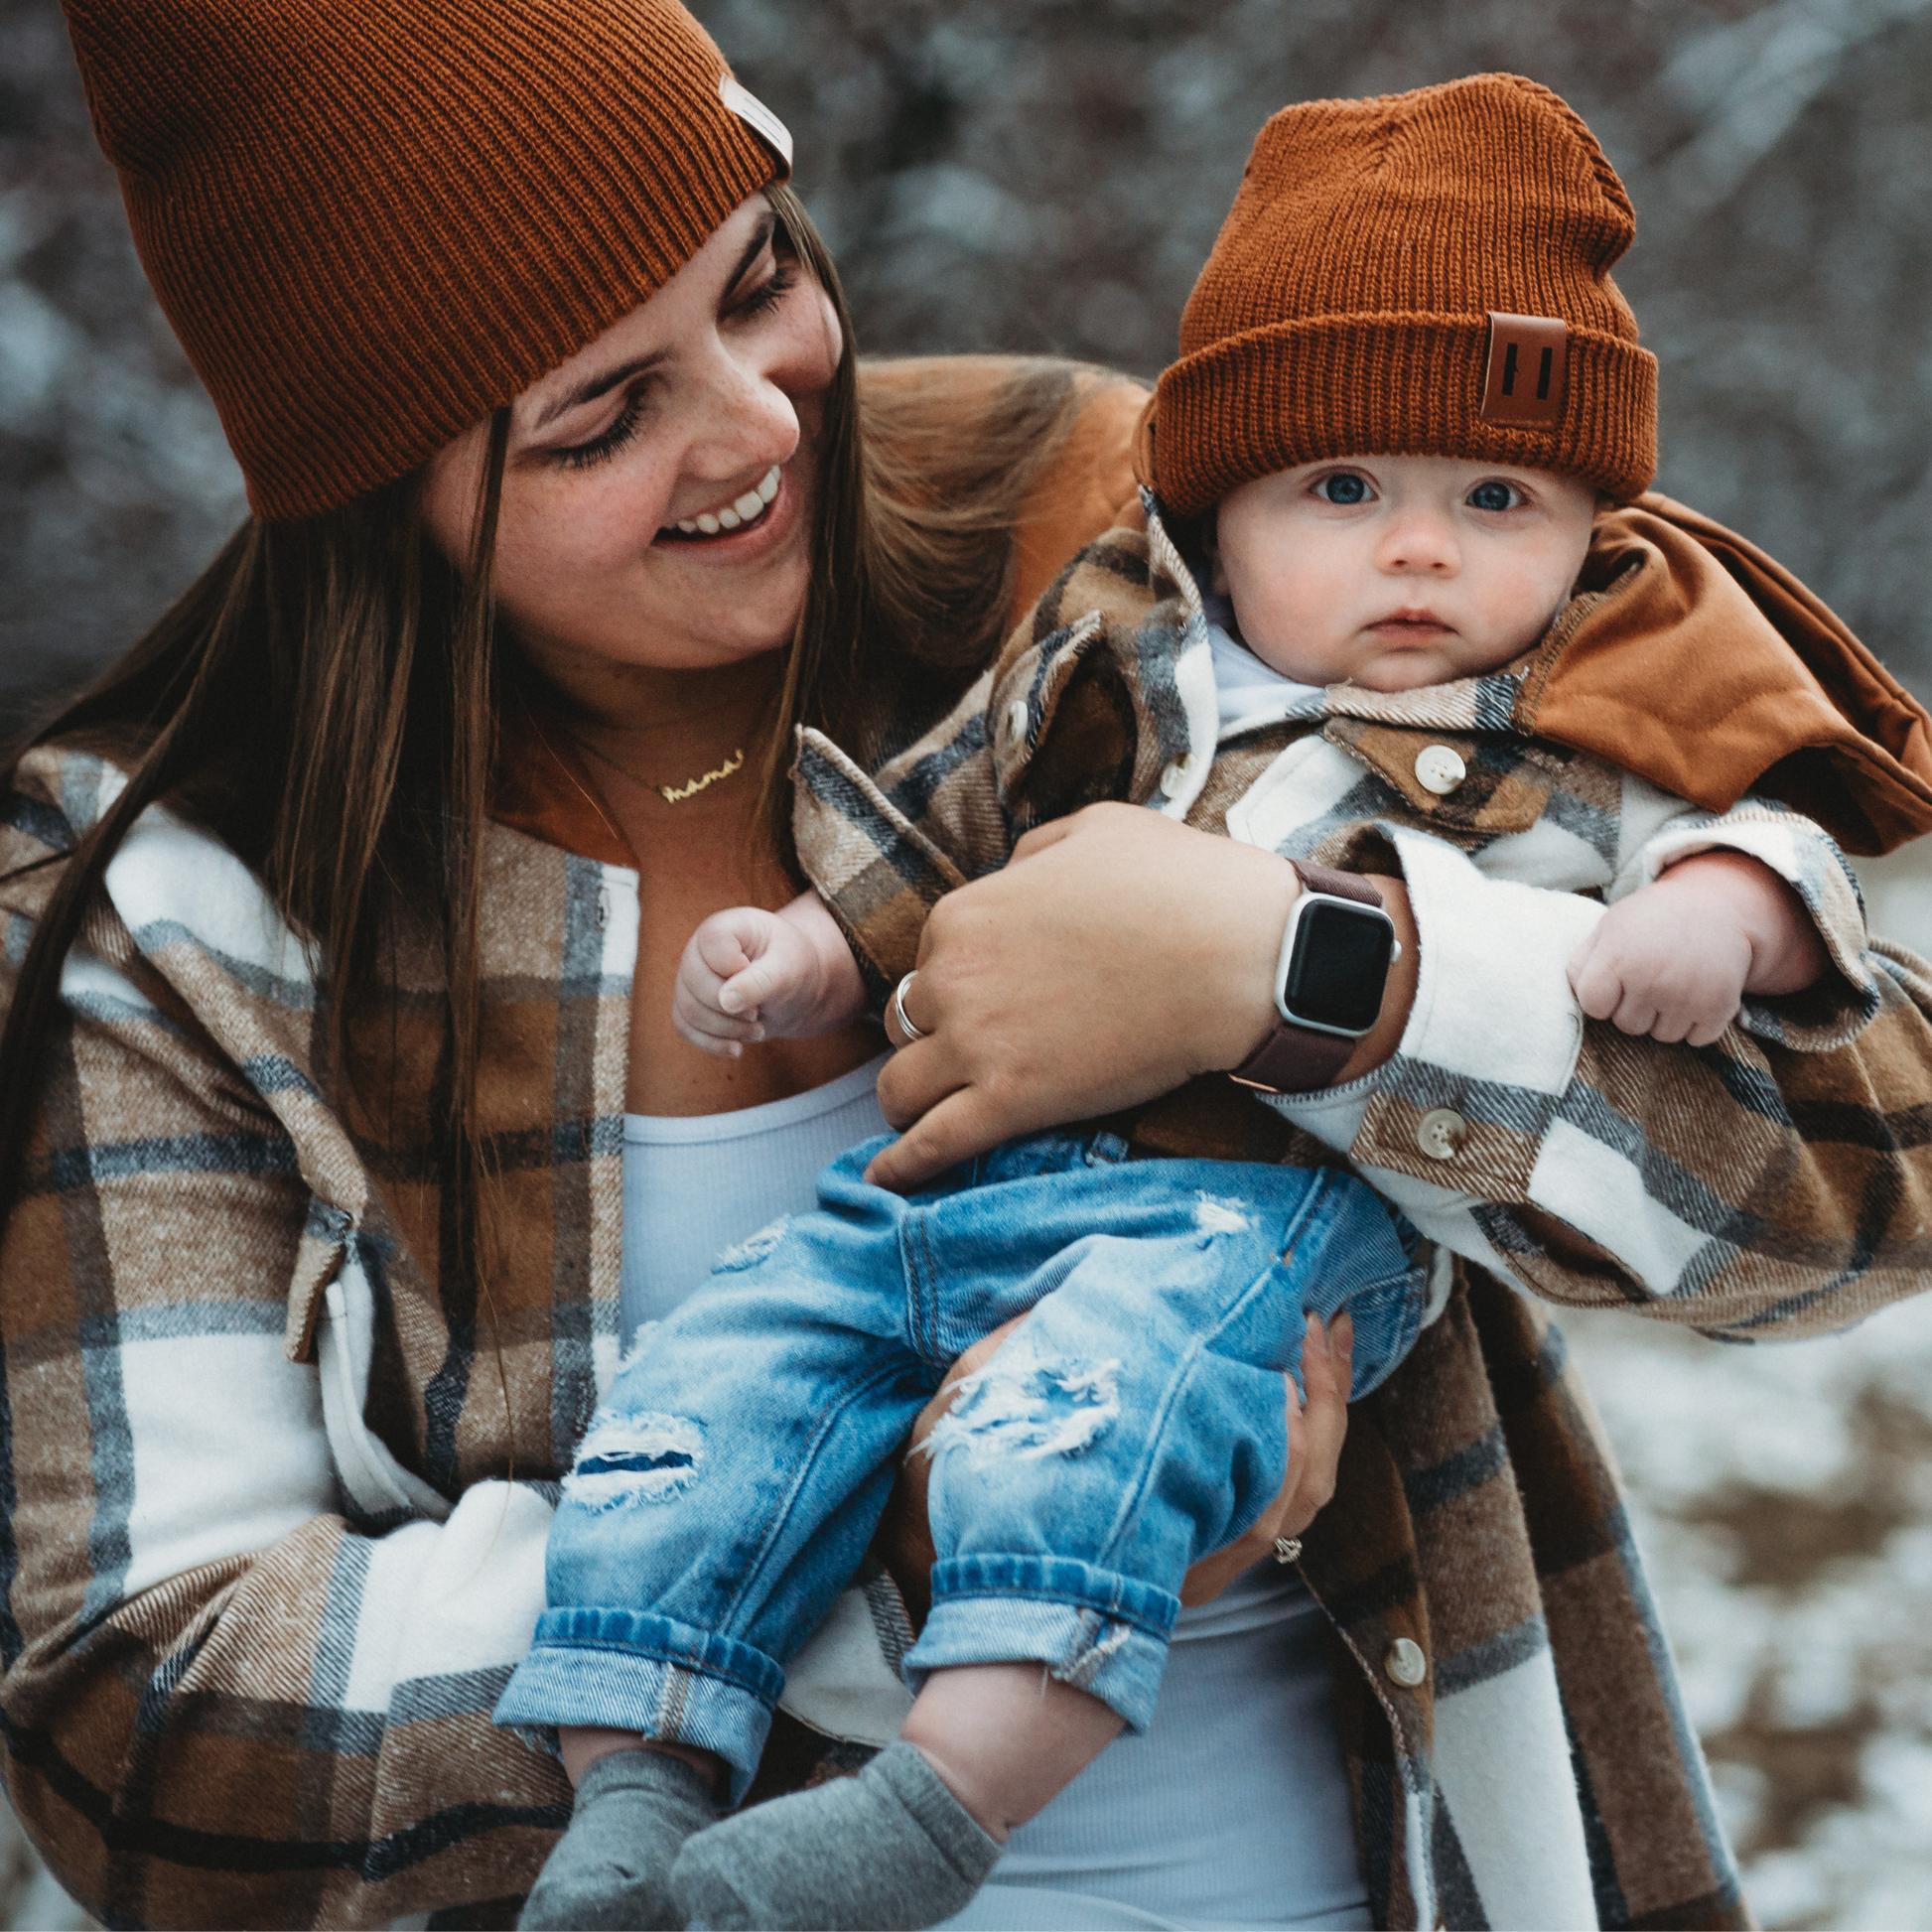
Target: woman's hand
[
  {"x": 1315, "y": 1437},
  {"x": 1118, "y": 956}
]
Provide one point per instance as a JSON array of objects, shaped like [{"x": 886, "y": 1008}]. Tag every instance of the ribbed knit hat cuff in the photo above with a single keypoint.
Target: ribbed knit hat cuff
[
  {"x": 558, "y": 285},
  {"x": 1397, "y": 384},
  {"x": 372, "y": 222}
]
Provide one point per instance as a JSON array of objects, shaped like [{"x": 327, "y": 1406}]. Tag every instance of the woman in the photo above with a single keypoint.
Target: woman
[{"x": 341, "y": 918}]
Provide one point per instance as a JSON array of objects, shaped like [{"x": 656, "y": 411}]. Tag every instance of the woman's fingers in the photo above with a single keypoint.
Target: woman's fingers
[
  {"x": 1119, "y": 956},
  {"x": 913, "y": 1000},
  {"x": 1122, "y": 957},
  {"x": 1315, "y": 1429},
  {"x": 1327, "y": 1361},
  {"x": 952, "y": 1130}
]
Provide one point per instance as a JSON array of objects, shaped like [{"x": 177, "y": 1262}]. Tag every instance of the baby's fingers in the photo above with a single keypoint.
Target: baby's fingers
[
  {"x": 1596, "y": 981},
  {"x": 694, "y": 1035},
  {"x": 695, "y": 1014},
  {"x": 745, "y": 993},
  {"x": 719, "y": 946}
]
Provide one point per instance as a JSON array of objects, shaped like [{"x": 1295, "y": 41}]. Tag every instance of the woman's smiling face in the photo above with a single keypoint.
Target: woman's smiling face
[{"x": 659, "y": 486}]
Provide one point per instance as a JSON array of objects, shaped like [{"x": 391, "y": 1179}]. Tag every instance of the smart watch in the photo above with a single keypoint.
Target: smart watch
[{"x": 1328, "y": 982}]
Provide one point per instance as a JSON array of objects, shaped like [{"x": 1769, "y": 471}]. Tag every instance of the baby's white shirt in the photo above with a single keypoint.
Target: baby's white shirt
[{"x": 1251, "y": 694}]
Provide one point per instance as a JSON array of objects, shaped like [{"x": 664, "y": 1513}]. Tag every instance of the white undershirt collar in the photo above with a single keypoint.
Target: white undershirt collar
[{"x": 1251, "y": 694}]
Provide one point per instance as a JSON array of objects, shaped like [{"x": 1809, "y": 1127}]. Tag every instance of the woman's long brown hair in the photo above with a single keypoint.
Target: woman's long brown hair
[{"x": 323, "y": 701}]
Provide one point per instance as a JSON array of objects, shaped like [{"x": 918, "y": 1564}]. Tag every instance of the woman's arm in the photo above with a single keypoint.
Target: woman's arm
[
  {"x": 228, "y": 1697},
  {"x": 1749, "y": 1187}
]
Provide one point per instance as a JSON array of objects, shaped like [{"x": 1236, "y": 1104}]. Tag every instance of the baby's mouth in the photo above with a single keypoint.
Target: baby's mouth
[{"x": 734, "y": 515}]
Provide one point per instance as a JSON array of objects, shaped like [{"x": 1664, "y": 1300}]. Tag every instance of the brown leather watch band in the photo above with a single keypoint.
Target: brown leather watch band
[{"x": 1297, "y": 1059}]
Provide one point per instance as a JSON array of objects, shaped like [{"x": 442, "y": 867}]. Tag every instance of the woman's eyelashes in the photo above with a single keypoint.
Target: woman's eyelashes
[
  {"x": 601, "y": 448},
  {"x": 608, "y": 442},
  {"x": 770, "y": 293}
]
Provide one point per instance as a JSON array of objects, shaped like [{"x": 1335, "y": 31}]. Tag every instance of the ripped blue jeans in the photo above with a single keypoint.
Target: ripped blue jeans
[{"x": 727, "y": 1491}]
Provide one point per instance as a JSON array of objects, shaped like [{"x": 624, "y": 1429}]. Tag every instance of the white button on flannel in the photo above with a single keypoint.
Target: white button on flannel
[
  {"x": 1440, "y": 1132},
  {"x": 1174, "y": 781},
  {"x": 1405, "y": 1662},
  {"x": 1439, "y": 769}
]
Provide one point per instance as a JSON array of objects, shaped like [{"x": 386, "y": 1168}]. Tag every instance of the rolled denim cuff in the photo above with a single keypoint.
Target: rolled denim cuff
[
  {"x": 626, "y": 1671},
  {"x": 1096, "y": 1629}
]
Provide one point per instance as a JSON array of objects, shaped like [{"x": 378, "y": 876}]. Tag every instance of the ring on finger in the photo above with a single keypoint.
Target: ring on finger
[{"x": 904, "y": 1025}]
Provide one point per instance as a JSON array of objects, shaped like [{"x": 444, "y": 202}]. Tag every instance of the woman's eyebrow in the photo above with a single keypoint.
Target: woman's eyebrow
[
  {"x": 605, "y": 381},
  {"x": 753, "y": 248},
  {"x": 594, "y": 387}
]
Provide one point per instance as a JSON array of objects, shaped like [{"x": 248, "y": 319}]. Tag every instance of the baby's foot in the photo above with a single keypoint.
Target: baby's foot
[
  {"x": 890, "y": 1847},
  {"x": 634, "y": 1810}
]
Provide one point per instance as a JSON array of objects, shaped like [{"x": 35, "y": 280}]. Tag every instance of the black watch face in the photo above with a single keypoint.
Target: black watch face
[{"x": 1341, "y": 965}]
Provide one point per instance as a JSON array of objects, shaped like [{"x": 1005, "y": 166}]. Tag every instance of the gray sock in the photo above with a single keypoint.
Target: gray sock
[
  {"x": 890, "y": 1847},
  {"x": 612, "y": 1866}
]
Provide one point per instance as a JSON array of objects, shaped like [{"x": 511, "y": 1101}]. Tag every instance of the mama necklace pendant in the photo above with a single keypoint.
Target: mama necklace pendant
[{"x": 677, "y": 794}]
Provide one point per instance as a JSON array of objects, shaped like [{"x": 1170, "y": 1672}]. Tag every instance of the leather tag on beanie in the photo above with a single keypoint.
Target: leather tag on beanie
[{"x": 1528, "y": 370}]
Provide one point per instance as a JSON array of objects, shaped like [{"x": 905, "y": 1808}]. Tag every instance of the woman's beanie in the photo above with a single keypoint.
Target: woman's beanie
[
  {"x": 1422, "y": 274},
  {"x": 371, "y": 221}
]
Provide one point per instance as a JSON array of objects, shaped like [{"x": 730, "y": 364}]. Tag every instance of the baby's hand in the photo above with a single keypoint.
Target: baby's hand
[
  {"x": 1674, "y": 959},
  {"x": 751, "y": 975}
]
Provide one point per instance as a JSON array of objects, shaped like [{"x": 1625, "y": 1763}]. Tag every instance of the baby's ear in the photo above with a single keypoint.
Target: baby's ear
[{"x": 1209, "y": 538}]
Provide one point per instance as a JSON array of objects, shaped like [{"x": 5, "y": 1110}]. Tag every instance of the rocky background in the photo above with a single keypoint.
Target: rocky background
[{"x": 1046, "y": 175}]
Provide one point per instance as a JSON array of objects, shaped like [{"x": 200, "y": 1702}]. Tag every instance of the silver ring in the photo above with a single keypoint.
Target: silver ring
[
  {"x": 1287, "y": 1548},
  {"x": 905, "y": 1026}
]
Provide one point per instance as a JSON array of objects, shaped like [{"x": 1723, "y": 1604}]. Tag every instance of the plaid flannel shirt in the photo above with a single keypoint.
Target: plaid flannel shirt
[
  {"x": 277, "y": 1479},
  {"x": 1774, "y": 1184}
]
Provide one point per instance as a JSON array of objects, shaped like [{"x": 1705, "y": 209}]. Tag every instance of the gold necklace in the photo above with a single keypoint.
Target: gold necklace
[
  {"x": 671, "y": 794},
  {"x": 677, "y": 794}
]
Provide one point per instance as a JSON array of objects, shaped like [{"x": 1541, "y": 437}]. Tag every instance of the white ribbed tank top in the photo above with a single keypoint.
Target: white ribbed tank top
[{"x": 1232, "y": 1810}]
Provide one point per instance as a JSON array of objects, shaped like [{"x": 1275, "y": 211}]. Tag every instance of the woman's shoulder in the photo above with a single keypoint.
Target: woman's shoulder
[
  {"x": 938, "y": 417},
  {"x": 54, "y": 795},
  {"x": 172, "y": 893}
]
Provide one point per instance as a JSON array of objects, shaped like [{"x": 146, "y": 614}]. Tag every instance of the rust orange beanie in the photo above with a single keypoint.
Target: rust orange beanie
[
  {"x": 371, "y": 221},
  {"x": 1388, "y": 281}
]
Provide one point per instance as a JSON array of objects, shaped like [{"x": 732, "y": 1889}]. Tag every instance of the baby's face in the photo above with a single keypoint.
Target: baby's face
[{"x": 1398, "y": 571}]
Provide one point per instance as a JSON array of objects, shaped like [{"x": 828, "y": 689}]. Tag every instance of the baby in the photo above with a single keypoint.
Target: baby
[{"x": 1391, "y": 488}]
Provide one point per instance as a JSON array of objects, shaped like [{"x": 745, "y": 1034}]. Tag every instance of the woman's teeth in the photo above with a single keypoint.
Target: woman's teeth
[{"x": 744, "y": 510}]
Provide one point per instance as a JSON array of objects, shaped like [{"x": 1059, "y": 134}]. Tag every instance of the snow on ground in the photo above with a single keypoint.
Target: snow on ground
[{"x": 1783, "y": 1497}]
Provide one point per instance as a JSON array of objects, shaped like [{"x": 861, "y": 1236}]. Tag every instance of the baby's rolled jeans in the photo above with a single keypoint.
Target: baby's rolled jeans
[{"x": 727, "y": 1491}]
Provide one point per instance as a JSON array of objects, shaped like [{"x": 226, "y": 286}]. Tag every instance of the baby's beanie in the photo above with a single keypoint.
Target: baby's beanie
[{"x": 1420, "y": 274}]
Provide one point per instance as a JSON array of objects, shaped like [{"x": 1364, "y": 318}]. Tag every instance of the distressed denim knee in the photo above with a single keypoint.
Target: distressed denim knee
[{"x": 731, "y": 1482}]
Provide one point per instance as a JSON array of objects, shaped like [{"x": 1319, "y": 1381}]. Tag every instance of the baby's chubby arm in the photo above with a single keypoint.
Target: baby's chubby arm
[
  {"x": 1675, "y": 958},
  {"x": 749, "y": 975}
]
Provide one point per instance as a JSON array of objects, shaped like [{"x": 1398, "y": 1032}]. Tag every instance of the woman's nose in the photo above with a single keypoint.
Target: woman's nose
[{"x": 739, "y": 418}]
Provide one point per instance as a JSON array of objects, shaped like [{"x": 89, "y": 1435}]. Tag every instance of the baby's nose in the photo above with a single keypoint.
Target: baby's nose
[{"x": 1420, "y": 545}]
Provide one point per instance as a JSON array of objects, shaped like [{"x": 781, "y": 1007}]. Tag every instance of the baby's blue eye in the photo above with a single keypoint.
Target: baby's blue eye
[
  {"x": 1342, "y": 487},
  {"x": 1493, "y": 495}
]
